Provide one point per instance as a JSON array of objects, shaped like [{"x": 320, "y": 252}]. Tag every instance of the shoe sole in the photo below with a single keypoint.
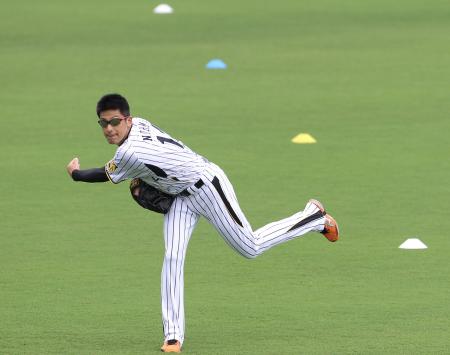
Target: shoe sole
[
  {"x": 171, "y": 351},
  {"x": 174, "y": 348}
]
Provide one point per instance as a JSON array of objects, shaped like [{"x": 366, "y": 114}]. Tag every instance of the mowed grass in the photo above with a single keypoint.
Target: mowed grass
[{"x": 80, "y": 263}]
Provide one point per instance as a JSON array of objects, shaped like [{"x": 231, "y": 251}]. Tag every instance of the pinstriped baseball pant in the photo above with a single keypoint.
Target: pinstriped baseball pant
[{"x": 216, "y": 201}]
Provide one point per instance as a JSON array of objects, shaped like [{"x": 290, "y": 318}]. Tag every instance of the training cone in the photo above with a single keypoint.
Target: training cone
[
  {"x": 413, "y": 243},
  {"x": 162, "y": 9},
  {"x": 216, "y": 64},
  {"x": 303, "y": 138}
]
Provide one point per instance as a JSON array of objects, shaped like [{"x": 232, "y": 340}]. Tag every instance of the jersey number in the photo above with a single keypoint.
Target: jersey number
[
  {"x": 168, "y": 140},
  {"x": 156, "y": 170}
]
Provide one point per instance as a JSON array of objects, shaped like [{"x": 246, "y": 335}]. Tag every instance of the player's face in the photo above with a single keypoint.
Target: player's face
[{"x": 117, "y": 125}]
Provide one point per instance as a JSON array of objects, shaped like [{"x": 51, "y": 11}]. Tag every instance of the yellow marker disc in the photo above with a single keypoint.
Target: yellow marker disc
[{"x": 303, "y": 138}]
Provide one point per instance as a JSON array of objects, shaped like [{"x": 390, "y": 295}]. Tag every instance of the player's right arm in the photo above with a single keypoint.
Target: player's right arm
[{"x": 89, "y": 175}]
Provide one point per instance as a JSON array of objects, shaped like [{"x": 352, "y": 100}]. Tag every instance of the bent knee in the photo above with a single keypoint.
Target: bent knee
[{"x": 249, "y": 256}]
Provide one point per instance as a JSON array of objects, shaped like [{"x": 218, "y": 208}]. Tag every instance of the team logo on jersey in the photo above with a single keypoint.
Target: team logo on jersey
[{"x": 111, "y": 166}]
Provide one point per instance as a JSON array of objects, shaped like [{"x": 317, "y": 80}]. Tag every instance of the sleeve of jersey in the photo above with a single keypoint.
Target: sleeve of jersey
[{"x": 122, "y": 167}]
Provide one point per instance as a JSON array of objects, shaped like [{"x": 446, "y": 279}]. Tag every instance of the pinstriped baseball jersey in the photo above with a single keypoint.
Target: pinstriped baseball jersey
[{"x": 152, "y": 155}]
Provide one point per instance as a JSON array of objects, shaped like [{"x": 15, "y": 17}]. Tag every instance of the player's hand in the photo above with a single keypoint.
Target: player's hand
[{"x": 73, "y": 165}]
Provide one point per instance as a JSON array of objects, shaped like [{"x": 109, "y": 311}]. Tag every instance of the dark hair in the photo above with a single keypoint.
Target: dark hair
[{"x": 113, "y": 102}]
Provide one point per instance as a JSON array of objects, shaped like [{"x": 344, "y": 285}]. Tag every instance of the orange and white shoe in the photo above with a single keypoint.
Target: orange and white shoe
[
  {"x": 331, "y": 229},
  {"x": 171, "y": 346}
]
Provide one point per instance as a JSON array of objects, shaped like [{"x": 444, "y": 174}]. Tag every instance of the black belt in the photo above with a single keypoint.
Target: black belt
[{"x": 198, "y": 185}]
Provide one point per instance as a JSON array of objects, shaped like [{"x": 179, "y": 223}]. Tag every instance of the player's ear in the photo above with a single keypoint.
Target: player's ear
[{"x": 129, "y": 121}]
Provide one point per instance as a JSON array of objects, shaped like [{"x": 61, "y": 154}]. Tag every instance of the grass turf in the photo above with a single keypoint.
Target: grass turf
[{"x": 80, "y": 263}]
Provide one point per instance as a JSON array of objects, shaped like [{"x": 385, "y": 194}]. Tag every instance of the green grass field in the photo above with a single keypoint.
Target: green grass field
[{"x": 80, "y": 263}]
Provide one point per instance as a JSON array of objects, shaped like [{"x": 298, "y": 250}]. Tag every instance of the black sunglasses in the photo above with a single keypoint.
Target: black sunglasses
[{"x": 115, "y": 121}]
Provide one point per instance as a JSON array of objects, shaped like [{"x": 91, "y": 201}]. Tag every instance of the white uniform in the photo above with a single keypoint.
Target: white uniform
[{"x": 202, "y": 189}]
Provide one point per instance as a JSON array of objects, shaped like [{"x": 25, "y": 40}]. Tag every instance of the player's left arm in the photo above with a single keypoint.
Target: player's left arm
[{"x": 89, "y": 175}]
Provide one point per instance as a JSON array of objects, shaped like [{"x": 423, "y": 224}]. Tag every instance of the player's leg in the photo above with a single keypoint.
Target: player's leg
[
  {"x": 217, "y": 202},
  {"x": 179, "y": 223}
]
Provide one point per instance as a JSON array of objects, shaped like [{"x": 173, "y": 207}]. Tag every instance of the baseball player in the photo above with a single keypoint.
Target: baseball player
[{"x": 169, "y": 178}]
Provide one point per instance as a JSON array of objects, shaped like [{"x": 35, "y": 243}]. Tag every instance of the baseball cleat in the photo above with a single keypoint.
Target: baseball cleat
[
  {"x": 171, "y": 346},
  {"x": 330, "y": 229}
]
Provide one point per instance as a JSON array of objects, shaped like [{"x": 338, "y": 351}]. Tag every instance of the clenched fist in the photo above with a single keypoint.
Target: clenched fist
[{"x": 73, "y": 165}]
